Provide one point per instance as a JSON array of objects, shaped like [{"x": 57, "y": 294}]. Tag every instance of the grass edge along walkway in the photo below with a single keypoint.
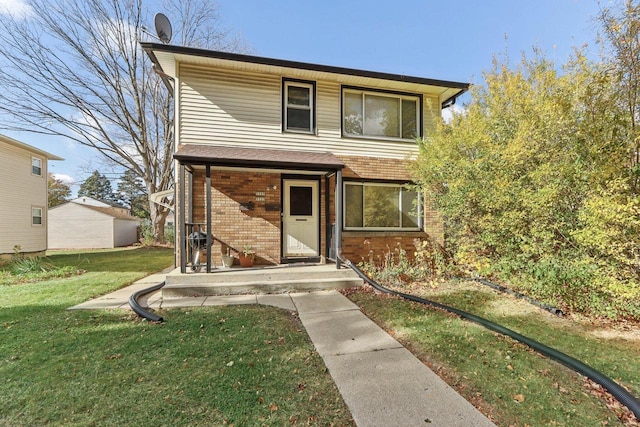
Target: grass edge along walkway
[{"x": 214, "y": 366}]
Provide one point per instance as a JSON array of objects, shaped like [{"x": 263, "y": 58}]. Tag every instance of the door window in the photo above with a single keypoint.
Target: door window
[{"x": 301, "y": 201}]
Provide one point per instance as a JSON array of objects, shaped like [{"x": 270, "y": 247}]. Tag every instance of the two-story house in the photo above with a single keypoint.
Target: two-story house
[
  {"x": 299, "y": 161},
  {"x": 23, "y": 198}
]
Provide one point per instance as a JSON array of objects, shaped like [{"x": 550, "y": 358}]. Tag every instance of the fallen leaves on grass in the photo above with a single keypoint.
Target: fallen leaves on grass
[
  {"x": 623, "y": 413},
  {"x": 519, "y": 398}
]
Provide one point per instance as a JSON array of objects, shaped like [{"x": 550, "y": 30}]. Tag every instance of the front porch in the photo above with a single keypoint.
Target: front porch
[
  {"x": 259, "y": 280},
  {"x": 279, "y": 203}
]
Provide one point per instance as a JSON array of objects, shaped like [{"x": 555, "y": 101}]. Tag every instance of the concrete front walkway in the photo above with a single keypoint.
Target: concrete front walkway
[{"x": 381, "y": 382}]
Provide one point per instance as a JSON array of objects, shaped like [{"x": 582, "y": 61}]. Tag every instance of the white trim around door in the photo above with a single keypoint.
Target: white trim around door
[{"x": 300, "y": 218}]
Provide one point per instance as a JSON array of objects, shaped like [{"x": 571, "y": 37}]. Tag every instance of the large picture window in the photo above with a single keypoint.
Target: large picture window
[
  {"x": 380, "y": 114},
  {"x": 381, "y": 206},
  {"x": 298, "y": 113}
]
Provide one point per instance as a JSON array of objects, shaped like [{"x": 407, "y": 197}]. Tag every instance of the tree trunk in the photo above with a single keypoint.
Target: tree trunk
[{"x": 158, "y": 219}]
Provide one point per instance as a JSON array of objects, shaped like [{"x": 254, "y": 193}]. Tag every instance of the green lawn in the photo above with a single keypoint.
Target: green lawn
[
  {"x": 507, "y": 380},
  {"x": 243, "y": 365}
]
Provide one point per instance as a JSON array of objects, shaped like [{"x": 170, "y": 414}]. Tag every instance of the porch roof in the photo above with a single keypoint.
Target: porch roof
[{"x": 217, "y": 155}]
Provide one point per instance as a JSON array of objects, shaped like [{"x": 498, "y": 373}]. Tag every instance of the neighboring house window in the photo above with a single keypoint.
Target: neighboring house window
[
  {"x": 298, "y": 106},
  {"x": 381, "y": 206},
  {"x": 36, "y": 166},
  {"x": 36, "y": 216},
  {"x": 377, "y": 114}
]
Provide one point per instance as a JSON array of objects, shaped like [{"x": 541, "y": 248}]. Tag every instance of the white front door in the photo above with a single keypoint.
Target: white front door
[{"x": 300, "y": 220}]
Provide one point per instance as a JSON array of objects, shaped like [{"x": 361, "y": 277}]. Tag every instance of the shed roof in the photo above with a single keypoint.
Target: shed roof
[
  {"x": 114, "y": 212},
  {"x": 110, "y": 211}
]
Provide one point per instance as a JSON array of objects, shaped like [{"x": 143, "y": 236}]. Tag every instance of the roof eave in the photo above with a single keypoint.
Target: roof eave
[
  {"x": 151, "y": 48},
  {"x": 30, "y": 148},
  {"x": 256, "y": 164}
]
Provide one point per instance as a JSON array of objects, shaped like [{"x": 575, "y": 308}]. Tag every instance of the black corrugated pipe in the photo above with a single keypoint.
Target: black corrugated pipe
[
  {"x": 137, "y": 308},
  {"x": 551, "y": 309},
  {"x": 617, "y": 391}
]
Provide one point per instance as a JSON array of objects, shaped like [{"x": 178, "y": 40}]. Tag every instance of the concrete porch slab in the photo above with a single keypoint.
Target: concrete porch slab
[{"x": 260, "y": 280}]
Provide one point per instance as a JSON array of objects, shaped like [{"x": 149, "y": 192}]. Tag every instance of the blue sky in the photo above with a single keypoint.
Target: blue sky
[{"x": 448, "y": 40}]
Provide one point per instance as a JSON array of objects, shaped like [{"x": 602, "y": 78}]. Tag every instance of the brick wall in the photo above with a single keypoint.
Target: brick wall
[
  {"x": 375, "y": 168},
  {"x": 260, "y": 228},
  {"x": 359, "y": 245}
]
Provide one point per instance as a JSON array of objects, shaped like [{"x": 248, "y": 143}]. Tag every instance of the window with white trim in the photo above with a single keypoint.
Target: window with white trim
[
  {"x": 384, "y": 115},
  {"x": 381, "y": 206},
  {"x": 36, "y": 166},
  {"x": 298, "y": 103},
  {"x": 36, "y": 216}
]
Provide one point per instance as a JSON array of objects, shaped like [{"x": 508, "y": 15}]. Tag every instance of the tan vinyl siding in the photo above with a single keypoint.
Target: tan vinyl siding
[
  {"x": 20, "y": 190},
  {"x": 241, "y": 108}
]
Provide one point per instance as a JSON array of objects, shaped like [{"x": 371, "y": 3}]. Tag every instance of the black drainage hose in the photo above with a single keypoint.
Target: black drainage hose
[
  {"x": 137, "y": 308},
  {"x": 622, "y": 395},
  {"x": 551, "y": 309}
]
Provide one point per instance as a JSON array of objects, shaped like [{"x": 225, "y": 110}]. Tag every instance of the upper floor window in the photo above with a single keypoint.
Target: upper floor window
[
  {"x": 36, "y": 216},
  {"x": 36, "y": 166},
  {"x": 381, "y": 206},
  {"x": 377, "y": 114},
  {"x": 298, "y": 106}
]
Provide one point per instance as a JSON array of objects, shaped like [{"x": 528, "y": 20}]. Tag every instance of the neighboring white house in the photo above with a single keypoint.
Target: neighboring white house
[
  {"x": 86, "y": 223},
  {"x": 23, "y": 198}
]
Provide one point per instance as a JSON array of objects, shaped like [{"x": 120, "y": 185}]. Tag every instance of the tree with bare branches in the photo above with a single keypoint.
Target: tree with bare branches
[
  {"x": 621, "y": 40},
  {"x": 74, "y": 68}
]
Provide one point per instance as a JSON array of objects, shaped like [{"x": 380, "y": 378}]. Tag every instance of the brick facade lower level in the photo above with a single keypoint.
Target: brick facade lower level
[{"x": 246, "y": 210}]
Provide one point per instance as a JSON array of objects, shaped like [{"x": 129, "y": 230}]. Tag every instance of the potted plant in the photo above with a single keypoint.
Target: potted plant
[
  {"x": 227, "y": 259},
  {"x": 246, "y": 256}
]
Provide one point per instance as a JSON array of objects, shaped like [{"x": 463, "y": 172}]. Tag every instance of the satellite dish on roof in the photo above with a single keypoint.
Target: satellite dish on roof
[{"x": 163, "y": 27}]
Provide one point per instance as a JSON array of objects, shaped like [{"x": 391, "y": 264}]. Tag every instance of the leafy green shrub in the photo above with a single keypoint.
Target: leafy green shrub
[
  {"x": 25, "y": 269},
  {"x": 611, "y": 229},
  {"x": 146, "y": 233},
  {"x": 397, "y": 268},
  {"x": 170, "y": 234},
  {"x": 534, "y": 183},
  {"x": 26, "y": 265}
]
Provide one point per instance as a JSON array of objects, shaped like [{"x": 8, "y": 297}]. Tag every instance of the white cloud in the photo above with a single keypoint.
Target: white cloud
[
  {"x": 15, "y": 8},
  {"x": 67, "y": 179},
  {"x": 447, "y": 113}
]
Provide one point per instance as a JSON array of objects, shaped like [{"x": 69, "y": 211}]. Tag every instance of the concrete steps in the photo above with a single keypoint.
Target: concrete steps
[{"x": 260, "y": 280}]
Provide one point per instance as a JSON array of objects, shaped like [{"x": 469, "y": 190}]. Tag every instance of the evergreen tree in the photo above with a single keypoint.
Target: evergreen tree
[
  {"x": 132, "y": 193},
  {"x": 98, "y": 187}
]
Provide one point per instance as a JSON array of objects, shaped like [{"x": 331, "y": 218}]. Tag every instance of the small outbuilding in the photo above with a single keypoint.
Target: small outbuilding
[{"x": 86, "y": 223}]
